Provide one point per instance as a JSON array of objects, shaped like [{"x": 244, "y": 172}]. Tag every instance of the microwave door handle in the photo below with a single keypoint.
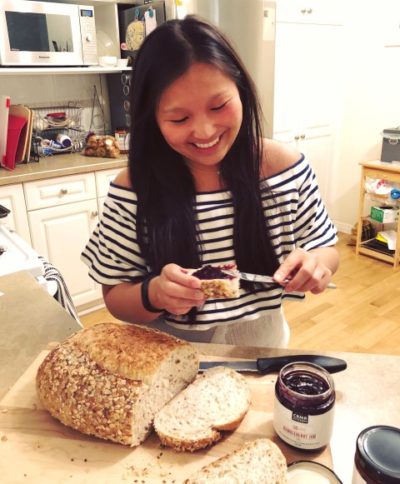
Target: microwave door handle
[{"x": 56, "y": 49}]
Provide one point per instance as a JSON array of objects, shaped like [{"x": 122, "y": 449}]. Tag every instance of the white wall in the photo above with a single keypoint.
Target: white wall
[{"x": 371, "y": 100}]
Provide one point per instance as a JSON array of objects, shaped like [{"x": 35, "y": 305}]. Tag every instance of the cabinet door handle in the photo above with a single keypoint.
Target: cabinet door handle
[
  {"x": 302, "y": 136},
  {"x": 309, "y": 10},
  {"x": 95, "y": 213},
  {"x": 303, "y": 11},
  {"x": 63, "y": 191},
  {"x": 297, "y": 137}
]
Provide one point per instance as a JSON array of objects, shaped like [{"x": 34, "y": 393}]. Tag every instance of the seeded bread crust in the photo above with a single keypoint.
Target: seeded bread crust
[
  {"x": 110, "y": 380},
  {"x": 216, "y": 401},
  {"x": 258, "y": 461}
]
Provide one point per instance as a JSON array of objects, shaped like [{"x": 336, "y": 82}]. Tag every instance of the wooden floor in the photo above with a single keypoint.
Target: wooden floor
[{"x": 361, "y": 315}]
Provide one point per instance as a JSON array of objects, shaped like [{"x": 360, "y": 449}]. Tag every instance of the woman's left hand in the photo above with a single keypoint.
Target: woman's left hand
[{"x": 305, "y": 271}]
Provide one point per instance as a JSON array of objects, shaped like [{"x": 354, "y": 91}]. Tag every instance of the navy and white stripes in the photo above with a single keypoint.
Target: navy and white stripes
[{"x": 293, "y": 209}]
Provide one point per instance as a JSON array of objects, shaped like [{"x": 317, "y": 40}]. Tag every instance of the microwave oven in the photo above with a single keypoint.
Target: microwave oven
[{"x": 47, "y": 34}]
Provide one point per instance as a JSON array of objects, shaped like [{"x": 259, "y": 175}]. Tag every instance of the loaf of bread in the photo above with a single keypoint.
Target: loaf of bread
[
  {"x": 217, "y": 284},
  {"x": 256, "y": 462},
  {"x": 111, "y": 379},
  {"x": 217, "y": 400}
]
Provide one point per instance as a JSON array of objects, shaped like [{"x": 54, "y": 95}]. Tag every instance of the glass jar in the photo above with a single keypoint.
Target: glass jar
[
  {"x": 377, "y": 457},
  {"x": 304, "y": 405}
]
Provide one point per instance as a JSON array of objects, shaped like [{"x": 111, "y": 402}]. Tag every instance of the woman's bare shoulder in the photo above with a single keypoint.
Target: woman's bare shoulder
[
  {"x": 277, "y": 157},
  {"x": 122, "y": 179}
]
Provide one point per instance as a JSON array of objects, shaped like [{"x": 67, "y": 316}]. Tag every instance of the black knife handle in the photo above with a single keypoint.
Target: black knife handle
[{"x": 269, "y": 365}]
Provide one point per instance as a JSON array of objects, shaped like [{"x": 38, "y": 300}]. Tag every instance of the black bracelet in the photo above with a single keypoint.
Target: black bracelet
[{"x": 145, "y": 295}]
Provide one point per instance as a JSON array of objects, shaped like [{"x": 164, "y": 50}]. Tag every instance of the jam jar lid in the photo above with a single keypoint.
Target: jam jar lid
[
  {"x": 309, "y": 472},
  {"x": 378, "y": 450}
]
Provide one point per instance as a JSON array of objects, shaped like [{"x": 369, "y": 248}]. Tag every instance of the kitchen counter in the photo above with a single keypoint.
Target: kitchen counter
[
  {"x": 29, "y": 320},
  {"x": 367, "y": 393},
  {"x": 59, "y": 165}
]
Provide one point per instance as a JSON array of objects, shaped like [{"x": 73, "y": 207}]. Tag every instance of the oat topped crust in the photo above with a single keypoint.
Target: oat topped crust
[{"x": 130, "y": 350}]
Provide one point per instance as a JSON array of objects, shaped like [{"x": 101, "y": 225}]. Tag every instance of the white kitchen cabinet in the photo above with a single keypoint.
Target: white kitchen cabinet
[
  {"x": 329, "y": 12},
  {"x": 62, "y": 214},
  {"x": 103, "y": 180},
  {"x": 308, "y": 86},
  {"x": 317, "y": 144},
  {"x": 60, "y": 190},
  {"x": 60, "y": 233},
  {"x": 12, "y": 197}
]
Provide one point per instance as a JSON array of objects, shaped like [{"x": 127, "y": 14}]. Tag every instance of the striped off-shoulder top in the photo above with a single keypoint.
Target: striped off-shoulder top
[{"x": 294, "y": 212}]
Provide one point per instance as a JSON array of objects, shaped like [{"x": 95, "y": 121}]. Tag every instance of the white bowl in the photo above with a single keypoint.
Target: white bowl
[
  {"x": 108, "y": 60},
  {"x": 122, "y": 63}
]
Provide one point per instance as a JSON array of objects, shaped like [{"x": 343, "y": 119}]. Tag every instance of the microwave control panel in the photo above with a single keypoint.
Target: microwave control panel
[{"x": 88, "y": 34}]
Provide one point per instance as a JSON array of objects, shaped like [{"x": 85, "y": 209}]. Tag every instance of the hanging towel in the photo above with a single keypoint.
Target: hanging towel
[{"x": 62, "y": 294}]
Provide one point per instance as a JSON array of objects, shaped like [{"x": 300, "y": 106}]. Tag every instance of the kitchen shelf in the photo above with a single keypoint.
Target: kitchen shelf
[
  {"x": 12, "y": 71},
  {"x": 391, "y": 173}
]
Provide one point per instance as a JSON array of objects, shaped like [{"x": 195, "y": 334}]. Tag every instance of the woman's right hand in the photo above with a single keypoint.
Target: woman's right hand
[{"x": 175, "y": 290}]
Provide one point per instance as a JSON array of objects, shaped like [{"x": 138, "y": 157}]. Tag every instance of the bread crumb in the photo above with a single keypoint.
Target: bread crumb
[
  {"x": 4, "y": 438},
  {"x": 4, "y": 410}
]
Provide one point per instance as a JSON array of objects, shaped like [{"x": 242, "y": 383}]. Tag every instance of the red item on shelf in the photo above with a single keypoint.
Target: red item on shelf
[
  {"x": 16, "y": 125},
  {"x": 4, "y": 114}
]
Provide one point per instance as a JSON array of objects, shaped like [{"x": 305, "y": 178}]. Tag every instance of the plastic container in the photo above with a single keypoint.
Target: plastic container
[
  {"x": 304, "y": 405},
  {"x": 391, "y": 145},
  {"x": 309, "y": 472},
  {"x": 377, "y": 457}
]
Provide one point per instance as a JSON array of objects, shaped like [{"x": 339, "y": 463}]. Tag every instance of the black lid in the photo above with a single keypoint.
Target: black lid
[{"x": 378, "y": 449}]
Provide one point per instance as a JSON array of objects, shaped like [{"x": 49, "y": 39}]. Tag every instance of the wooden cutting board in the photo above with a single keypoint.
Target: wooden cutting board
[{"x": 36, "y": 448}]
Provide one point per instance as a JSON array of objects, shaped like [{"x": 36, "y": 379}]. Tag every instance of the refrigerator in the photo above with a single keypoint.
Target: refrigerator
[{"x": 250, "y": 26}]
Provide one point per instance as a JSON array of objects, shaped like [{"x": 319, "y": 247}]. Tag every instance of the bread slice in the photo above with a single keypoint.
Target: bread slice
[
  {"x": 217, "y": 400},
  {"x": 259, "y": 461},
  {"x": 215, "y": 283},
  {"x": 111, "y": 379}
]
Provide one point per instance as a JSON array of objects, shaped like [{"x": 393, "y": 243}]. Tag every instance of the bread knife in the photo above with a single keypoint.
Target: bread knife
[{"x": 275, "y": 363}]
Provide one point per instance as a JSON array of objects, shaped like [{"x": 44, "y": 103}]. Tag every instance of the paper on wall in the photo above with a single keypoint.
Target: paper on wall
[{"x": 150, "y": 20}]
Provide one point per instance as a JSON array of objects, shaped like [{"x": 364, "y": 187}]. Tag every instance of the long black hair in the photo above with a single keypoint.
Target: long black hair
[{"x": 166, "y": 226}]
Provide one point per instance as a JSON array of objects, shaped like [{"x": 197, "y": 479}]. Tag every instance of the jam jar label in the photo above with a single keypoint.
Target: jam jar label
[{"x": 302, "y": 430}]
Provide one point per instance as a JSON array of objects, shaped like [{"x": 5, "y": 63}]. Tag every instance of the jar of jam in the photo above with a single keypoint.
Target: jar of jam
[
  {"x": 304, "y": 405},
  {"x": 377, "y": 457}
]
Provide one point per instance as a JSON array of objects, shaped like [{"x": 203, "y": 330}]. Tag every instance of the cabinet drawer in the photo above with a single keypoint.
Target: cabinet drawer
[
  {"x": 59, "y": 191},
  {"x": 103, "y": 180},
  {"x": 326, "y": 12}
]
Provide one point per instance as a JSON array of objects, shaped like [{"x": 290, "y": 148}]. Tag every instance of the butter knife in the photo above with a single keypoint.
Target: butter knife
[
  {"x": 275, "y": 363},
  {"x": 246, "y": 276}
]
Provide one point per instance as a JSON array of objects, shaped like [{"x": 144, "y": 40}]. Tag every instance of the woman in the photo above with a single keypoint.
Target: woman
[{"x": 204, "y": 187}]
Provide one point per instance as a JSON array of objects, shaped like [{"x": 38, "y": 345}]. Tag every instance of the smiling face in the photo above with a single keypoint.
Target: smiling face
[{"x": 199, "y": 115}]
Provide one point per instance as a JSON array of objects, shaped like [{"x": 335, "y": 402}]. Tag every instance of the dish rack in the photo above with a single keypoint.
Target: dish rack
[{"x": 57, "y": 129}]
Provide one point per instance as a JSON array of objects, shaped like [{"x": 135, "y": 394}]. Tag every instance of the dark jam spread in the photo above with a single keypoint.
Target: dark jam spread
[
  {"x": 214, "y": 272},
  {"x": 304, "y": 389},
  {"x": 305, "y": 383}
]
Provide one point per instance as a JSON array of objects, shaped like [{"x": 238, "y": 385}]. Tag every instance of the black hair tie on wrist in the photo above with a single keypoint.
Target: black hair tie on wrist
[{"x": 145, "y": 295}]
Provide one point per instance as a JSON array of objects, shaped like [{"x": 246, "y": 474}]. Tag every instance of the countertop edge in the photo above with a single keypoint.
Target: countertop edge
[{"x": 58, "y": 166}]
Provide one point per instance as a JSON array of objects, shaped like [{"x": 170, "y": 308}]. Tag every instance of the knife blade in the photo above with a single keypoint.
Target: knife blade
[
  {"x": 275, "y": 363},
  {"x": 247, "y": 276}
]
